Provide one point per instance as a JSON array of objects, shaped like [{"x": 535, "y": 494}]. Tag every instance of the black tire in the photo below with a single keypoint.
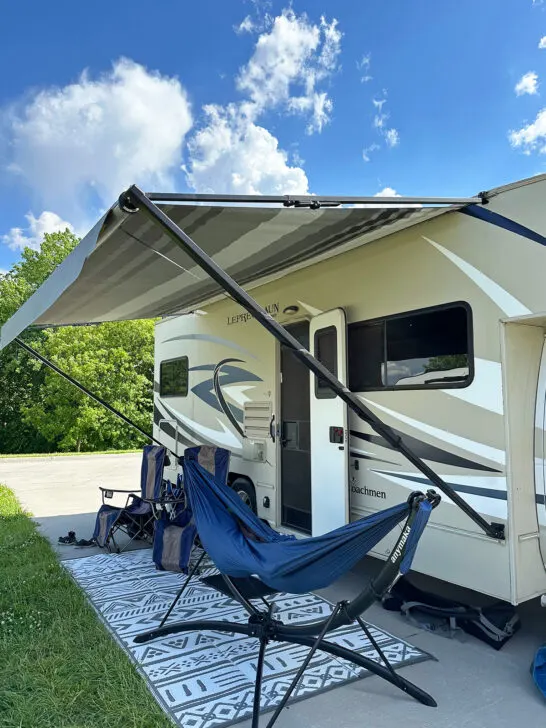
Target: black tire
[{"x": 246, "y": 492}]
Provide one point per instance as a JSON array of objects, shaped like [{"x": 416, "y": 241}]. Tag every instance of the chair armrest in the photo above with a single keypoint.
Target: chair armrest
[
  {"x": 109, "y": 492},
  {"x": 160, "y": 504},
  {"x": 164, "y": 501}
]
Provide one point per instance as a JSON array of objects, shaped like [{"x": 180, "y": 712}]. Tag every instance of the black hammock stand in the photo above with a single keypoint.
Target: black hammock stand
[{"x": 262, "y": 625}]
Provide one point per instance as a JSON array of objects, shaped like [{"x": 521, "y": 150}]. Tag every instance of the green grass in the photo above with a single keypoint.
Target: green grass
[
  {"x": 66, "y": 454},
  {"x": 59, "y": 667}
]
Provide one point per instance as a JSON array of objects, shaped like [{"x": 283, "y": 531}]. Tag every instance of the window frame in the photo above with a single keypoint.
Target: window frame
[
  {"x": 416, "y": 312},
  {"x": 168, "y": 361}
]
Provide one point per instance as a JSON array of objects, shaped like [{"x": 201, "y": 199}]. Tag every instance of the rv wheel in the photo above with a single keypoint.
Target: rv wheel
[{"x": 245, "y": 491}]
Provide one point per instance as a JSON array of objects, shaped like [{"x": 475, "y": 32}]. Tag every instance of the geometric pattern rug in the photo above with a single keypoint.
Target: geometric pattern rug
[{"x": 206, "y": 679}]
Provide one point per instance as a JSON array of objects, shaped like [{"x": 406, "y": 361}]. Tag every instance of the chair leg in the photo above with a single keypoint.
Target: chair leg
[
  {"x": 113, "y": 540},
  {"x": 258, "y": 683},
  {"x": 181, "y": 591},
  {"x": 364, "y": 627},
  {"x": 303, "y": 666}
]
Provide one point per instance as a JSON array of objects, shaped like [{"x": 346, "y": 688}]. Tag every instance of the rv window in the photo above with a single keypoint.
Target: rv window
[
  {"x": 326, "y": 353},
  {"x": 425, "y": 349},
  {"x": 173, "y": 378}
]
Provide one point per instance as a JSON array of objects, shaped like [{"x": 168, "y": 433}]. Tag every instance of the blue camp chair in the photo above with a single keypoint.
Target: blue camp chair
[
  {"x": 175, "y": 530},
  {"x": 136, "y": 517},
  {"x": 255, "y": 561}
]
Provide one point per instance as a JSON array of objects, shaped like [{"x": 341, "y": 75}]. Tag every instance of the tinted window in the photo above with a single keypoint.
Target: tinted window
[
  {"x": 423, "y": 349},
  {"x": 173, "y": 378},
  {"x": 326, "y": 353}
]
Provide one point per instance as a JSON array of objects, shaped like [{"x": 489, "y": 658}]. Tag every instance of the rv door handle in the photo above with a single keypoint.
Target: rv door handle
[{"x": 272, "y": 428}]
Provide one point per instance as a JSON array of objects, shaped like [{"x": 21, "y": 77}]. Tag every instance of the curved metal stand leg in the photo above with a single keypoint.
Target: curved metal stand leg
[
  {"x": 177, "y": 627},
  {"x": 279, "y": 636},
  {"x": 365, "y": 662}
]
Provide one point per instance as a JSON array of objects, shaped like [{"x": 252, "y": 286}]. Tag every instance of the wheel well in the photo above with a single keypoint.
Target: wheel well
[{"x": 232, "y": 477}]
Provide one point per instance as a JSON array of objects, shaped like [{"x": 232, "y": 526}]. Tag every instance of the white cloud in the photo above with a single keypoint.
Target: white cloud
[
  {"x": 392, "y": 137},
  {"x": 3, "y": 272},
  {"x": 542, "y": 42},
  {"x": 33, "y": 234},
  {"x": 320, "y": 107},
  {"x": 246, "y": 26},
  {"x": 79, "y": 146},
  {"x": 233, "y": 154},
  {"x": 232, "y": 151},
  {"x": 289, "y": 61},
  {"x": 380, "y": 118},
  {"x": 387, "y": 192},
  {"x": 364, "y": 66},
  {"x": 368, "y": 150},
  {"x": 529, "y": 137},
  {"x": 528, "y": 84}
]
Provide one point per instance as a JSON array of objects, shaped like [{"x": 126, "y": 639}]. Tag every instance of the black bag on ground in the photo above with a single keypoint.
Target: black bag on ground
[{"x": 494, "y": 624}]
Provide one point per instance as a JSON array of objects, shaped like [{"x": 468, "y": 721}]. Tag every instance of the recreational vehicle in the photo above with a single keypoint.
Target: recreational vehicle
[{"x": 433, "y": 314}]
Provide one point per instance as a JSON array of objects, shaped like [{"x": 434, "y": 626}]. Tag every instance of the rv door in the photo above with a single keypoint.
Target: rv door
[{"x": 329, "y": 435}]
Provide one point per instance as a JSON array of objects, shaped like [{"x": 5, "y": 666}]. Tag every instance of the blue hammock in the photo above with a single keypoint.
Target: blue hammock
[{"x": 242, "y": 545}]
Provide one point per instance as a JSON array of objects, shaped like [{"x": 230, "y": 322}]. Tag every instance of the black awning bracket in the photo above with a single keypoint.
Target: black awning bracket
[{"x": 139, "y": 200}]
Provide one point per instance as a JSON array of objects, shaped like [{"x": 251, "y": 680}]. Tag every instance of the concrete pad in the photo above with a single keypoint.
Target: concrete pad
[{"x": 62, "y": 493}]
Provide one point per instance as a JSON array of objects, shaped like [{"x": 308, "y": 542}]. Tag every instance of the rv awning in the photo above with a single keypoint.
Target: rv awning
[{"x": 127, "y": 268}]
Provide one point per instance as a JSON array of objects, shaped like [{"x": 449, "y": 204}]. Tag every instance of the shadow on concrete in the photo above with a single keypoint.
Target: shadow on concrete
[{"x": 83, "y": 524}]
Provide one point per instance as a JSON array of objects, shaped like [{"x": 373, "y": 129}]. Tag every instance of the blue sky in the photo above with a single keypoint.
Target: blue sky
[{"x": 416, "y": 96}]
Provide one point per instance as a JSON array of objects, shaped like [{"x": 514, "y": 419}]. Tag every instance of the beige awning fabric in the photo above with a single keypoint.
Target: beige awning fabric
[{"x": 126, "y": 267}]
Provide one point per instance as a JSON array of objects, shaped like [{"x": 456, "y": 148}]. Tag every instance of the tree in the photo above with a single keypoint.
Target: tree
[
  {"x": 20, "y": 380},
  {"x": 40, "y": 411},
  {"x": 446, "y": 362},
  {"x": 113, "y": 360}
]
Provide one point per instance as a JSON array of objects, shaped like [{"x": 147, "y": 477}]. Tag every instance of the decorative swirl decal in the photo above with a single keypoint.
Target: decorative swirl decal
[{"x": 219, "y": 394}]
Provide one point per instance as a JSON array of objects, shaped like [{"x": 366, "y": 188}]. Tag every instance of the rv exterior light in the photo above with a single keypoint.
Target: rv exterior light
[{"x": 291, "y": 310}]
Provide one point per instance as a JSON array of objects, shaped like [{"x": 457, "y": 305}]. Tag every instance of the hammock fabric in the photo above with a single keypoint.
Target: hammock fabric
[{"x": 242, "y": 545}]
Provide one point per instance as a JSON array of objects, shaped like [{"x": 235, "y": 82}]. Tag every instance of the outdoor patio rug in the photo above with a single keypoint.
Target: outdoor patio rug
[{"x": 207, "y": 679}]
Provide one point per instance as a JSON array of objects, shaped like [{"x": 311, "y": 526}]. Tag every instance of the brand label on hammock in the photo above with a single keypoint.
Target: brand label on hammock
[{"x": 398, "y": 550}]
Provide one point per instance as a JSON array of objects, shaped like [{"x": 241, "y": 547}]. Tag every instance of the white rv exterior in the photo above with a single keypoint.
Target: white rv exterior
[{"x": 474, "y": 408}]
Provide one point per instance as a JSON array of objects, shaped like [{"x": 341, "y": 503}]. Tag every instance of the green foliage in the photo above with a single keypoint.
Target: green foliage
[
  {"x": 40, "y": 411},
  {"x": 447, "y": 362},
  {"x": 31, "y": 271},
  {"x": 20, "y": 381},
  {"x": 113, "y": 360}
]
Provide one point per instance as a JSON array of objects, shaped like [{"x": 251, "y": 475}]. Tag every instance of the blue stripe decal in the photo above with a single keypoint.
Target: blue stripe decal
[
  {"x": 482, "y": 213},
  {"x": 485, "y": 492},
  {"x": 426, "y": 451}
]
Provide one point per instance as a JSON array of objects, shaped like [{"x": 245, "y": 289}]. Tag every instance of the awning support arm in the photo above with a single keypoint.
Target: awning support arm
[
  {"x": 134, "y": 199},
  {"x": 84, "y": 389}
]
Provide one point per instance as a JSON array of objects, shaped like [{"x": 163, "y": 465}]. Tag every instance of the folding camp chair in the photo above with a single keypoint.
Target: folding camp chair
[
  {"x": 255, "y": 561},
  {"x": 136, "y": 518},
  {"x": 175, "y": 531}
]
